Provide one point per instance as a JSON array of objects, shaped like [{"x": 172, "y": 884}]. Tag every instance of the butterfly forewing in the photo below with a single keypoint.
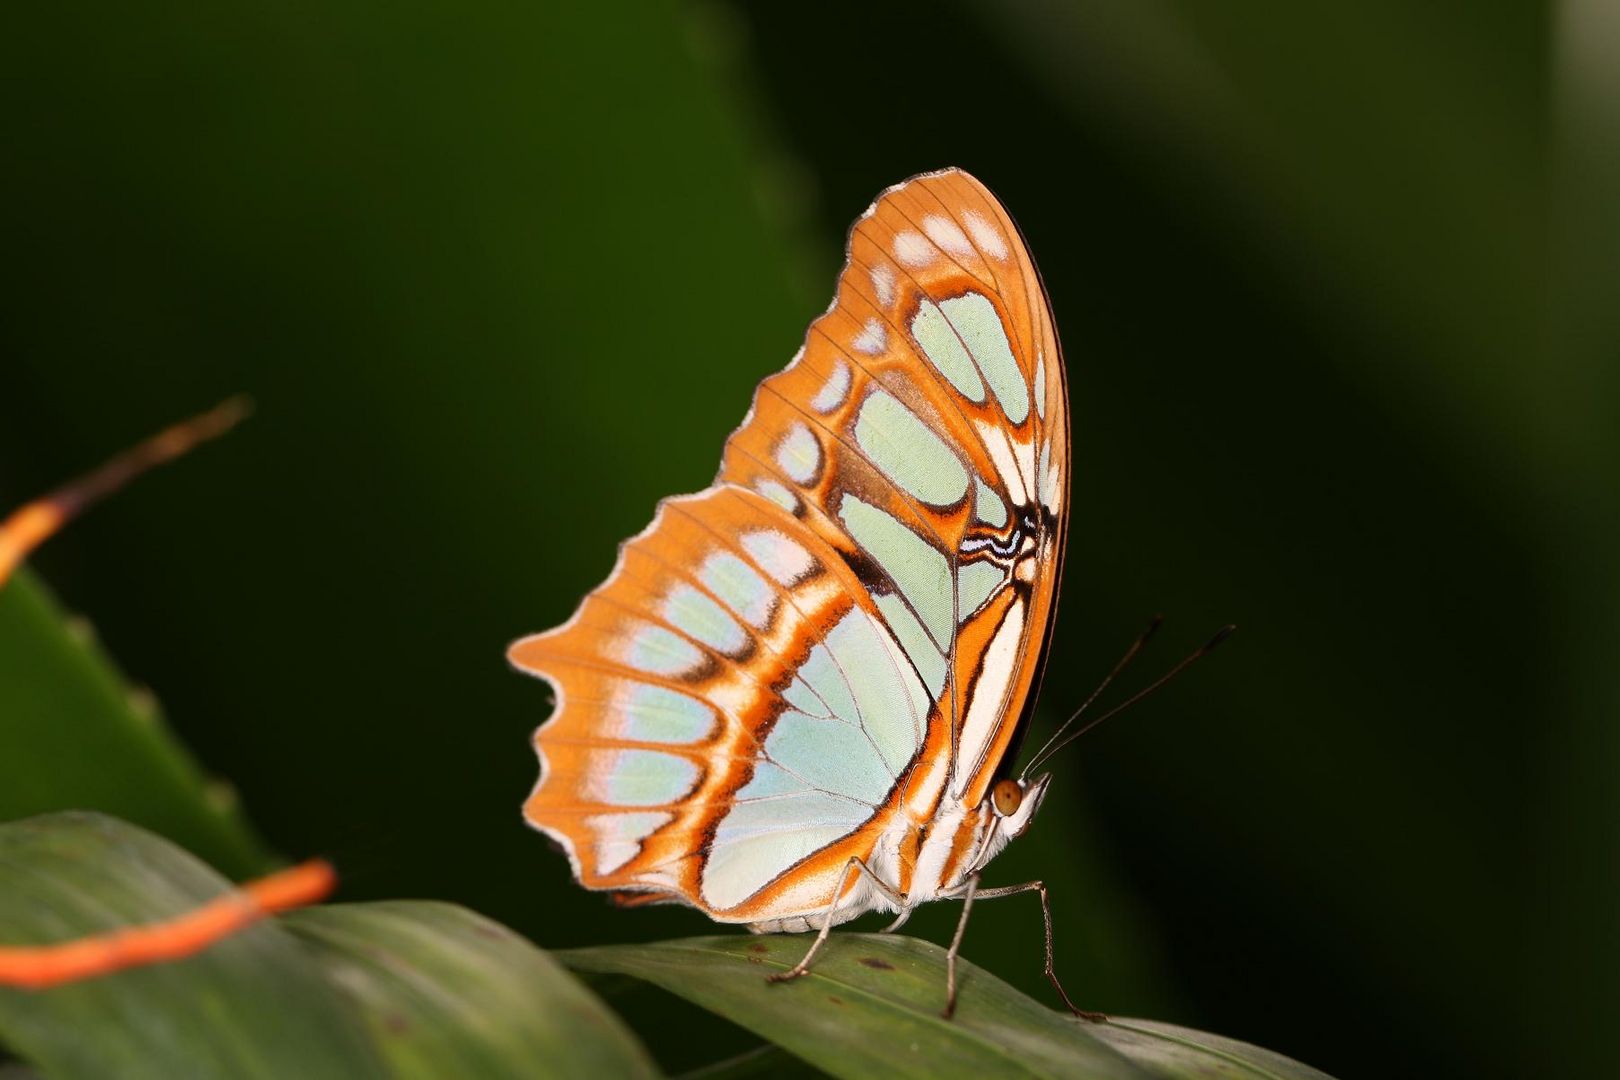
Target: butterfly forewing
[
  {"x": 926, "y": 407},
  {"x": 832, "y": 648}
]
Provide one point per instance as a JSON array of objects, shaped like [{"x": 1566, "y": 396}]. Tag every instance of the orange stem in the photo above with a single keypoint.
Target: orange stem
[
  {"x": 33, "y": 524},
  {"x": 36, "y": 967}
]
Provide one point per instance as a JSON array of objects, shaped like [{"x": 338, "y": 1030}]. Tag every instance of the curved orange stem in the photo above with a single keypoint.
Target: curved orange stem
[
  {"x": 34, "y": 523},
  {"x": 36, "y": 967}
]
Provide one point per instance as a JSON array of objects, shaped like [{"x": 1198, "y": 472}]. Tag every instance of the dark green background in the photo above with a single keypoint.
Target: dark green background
[{"x": 1337, "y": 287}]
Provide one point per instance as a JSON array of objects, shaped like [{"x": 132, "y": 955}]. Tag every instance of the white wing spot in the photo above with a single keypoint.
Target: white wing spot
[
  {"x": 1040, "y": 383},
  {"x": 832, "y": 394},
  {"x": 782, "y": 557},
  {"x": 1001, "y": 453},
  {"x": 778, "y": 494},
  {"x": 912, "y": 250},
  {"x": 947, "y": 235},
  {"x": 985, "y": 235},
  {"x": 799, "y": 454},
  {"x": 872, "y": 340},
  {"x": 1050, "y": 478},
  {"x": 883, "y": 284}
]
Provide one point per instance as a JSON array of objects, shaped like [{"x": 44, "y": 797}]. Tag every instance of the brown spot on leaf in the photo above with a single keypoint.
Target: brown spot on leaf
[
  {"x": 875, "y": 962},
  {"x": 759, "y": 946},
  {"x": 835, "y": 1000}
]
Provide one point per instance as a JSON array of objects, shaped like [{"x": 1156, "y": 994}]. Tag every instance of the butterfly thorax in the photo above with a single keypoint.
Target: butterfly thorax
[{"x": 962, "y": 841}]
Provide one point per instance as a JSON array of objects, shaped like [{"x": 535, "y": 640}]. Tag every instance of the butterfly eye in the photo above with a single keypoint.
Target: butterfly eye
[{"x": 1006, "y": 797}]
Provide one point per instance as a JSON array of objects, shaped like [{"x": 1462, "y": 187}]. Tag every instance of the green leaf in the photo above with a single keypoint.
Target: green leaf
[
  {"x": 447, "y": 993},
  {"x": 405, "y": 989},
  {"x": 871, "y": 1006},
  {"x": 1172, "y": 1051},
  {"x": 766, "y": 1060},
  {"x": 77, "y": 737},
  {"x": 254, "y": 1005}
]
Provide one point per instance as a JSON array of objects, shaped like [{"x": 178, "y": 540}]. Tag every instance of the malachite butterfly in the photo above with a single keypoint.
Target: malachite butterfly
[{"x": 798, "y": 695}]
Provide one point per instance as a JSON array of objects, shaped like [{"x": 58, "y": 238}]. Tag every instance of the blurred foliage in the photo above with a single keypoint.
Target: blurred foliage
[
  {"x": 253, "y": 1006},
  {"x": 399, "y": 990},
  {"x": 75, "y": 735},
  {"x": 408, "y": 989},
  {"x": 1337, "y": 288},
  {"x": 445, "y": 992}
]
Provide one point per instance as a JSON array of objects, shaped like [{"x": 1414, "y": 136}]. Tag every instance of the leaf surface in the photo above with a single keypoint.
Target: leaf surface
[
  {"x": 254, "y": 1005},
  {"x": 77, "y": 737},
  {"x": 446, "y": 992},
  {"x": 871, "y": 1006}
]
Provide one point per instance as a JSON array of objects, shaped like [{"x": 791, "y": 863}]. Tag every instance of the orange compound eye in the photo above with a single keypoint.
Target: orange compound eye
[{"x": 1006, "y": 797}]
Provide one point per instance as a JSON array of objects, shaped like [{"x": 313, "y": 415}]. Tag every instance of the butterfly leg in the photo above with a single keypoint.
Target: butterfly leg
[
  {"x": 803, "y": 966},
  {"x": 1046, "y": 914},
  {"x": 968, "y": 892}
]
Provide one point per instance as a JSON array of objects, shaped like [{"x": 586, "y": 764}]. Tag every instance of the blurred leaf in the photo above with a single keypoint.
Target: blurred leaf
[
  {"x": 254, "y": 1005},
  {"x": 1371, "y": 147},
  {"x": 450, "y": 993},
  {"x": 764, "y": 1060},
  {"x": 77, "y": 737},
  {"x": 1172, "y": 1051},
  {"x": 1574, "y": 935},
  {"x": 871, "y": 1007},
  {"x": 406, "y": 989}
]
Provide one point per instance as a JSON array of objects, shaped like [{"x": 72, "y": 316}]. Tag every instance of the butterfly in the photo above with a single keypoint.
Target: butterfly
[{"x": 798, "y": 695}]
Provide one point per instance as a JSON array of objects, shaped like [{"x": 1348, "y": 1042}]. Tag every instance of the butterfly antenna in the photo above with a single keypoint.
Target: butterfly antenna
[
  {"x": 1130, "y": 654},
  {"x": 1203, "y": 650}
]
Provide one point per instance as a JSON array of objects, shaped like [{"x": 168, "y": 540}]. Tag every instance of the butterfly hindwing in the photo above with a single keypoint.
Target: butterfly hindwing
[{"x": 726, "y": 705}]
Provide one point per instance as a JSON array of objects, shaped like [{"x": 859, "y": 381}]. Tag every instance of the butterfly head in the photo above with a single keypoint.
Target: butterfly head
[
  {"x": 1015, "y": 802},
  {"x": 1004, "y": 815}
]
